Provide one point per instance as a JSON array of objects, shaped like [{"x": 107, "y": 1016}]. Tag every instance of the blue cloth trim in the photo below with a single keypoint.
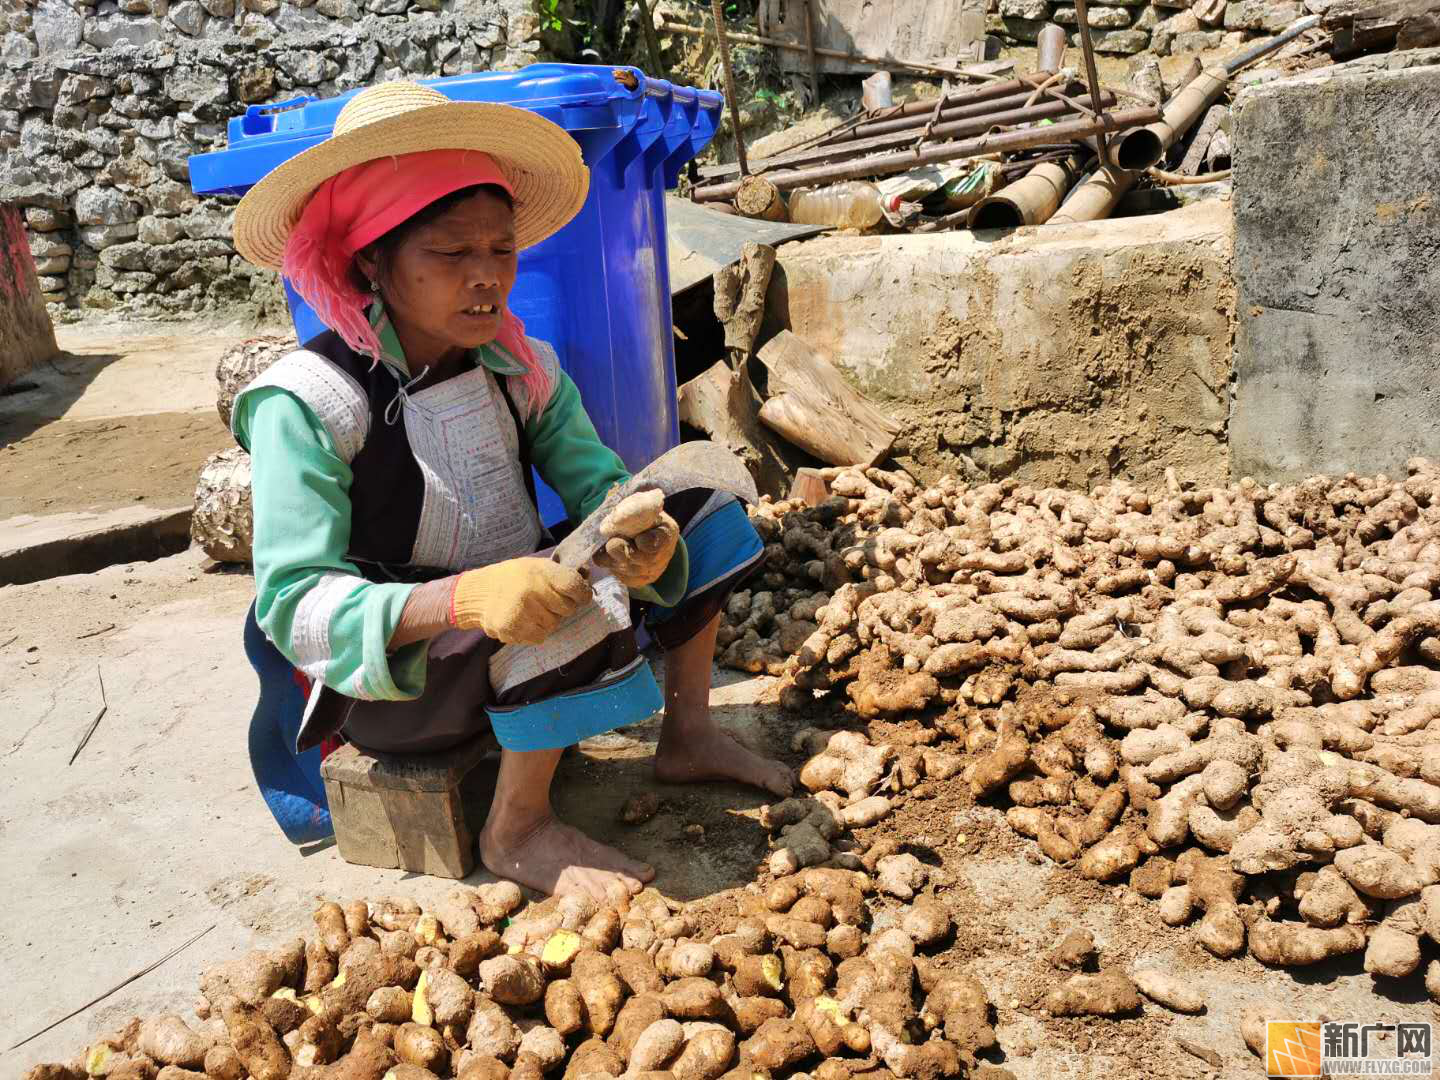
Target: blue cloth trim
[
  {"x": 721, "y": 544},
  {"x": 289, "y": 783},
  {"x": 565, "y": 719}
]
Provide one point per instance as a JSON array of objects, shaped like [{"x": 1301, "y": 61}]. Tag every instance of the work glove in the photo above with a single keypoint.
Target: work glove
[
  {"x": 637, "y": 561},
  {"x": 519, "y": 601}
]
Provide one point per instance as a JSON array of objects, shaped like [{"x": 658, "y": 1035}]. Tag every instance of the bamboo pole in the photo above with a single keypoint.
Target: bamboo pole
[
  {"x": 717, "y": 9},
  {"x": 889, "y": 164},
  {"x": 809, "y": 6},
  {"x": 652, "y": 44}
]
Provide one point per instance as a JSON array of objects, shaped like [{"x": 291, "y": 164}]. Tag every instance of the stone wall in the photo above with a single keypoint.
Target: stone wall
[
  {"x": 1064, "y": 354},
  {"x": 26, "y": 336},
  {"x": 1337, "y": 261},
  {"x": 103, "y": 102},
  {"x": 1162, "y": 27}
]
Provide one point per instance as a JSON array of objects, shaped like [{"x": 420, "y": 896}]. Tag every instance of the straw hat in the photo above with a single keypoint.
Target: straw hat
[{"x": 540, "y": 160}]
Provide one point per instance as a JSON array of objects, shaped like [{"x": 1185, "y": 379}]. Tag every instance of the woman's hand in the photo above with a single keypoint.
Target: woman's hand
[
  {"x": 519, "y": 601},
  {"x": 640, "y": 560}
]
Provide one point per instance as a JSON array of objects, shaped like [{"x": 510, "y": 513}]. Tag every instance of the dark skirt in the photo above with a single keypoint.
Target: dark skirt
[{"x": 602, "y": 688}]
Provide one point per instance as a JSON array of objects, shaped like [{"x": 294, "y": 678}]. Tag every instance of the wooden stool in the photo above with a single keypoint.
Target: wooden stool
[{"x": 412, "y": 811}]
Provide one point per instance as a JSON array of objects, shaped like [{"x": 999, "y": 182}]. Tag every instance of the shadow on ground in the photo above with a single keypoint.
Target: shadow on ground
[{"x": 43, "y": 395}]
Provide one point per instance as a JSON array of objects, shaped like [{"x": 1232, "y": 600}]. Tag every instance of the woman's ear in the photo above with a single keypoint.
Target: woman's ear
[{"x": 369, "y": 268}]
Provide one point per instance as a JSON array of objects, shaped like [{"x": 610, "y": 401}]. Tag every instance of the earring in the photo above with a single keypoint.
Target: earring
[{"x": 374, "y": 286}]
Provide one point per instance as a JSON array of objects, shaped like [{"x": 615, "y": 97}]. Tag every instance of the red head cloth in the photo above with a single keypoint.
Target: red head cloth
[{"x": 358, "y": 206}]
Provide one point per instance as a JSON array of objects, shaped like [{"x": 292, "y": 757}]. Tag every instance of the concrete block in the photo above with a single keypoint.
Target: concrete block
[
  {"x": 26, "y": 336},
  {"x": 1337, "y": 219},
  {"x": 1059, "y": 355},
  {"x": 405, "y": 811}
]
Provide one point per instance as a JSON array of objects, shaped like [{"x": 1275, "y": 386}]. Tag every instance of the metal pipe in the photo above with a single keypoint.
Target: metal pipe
[
  {"x": 1134, "y": 150},
  {"x": 947, "y": 115},
  {"x": 1088, "y": 51},
  {"x": 889, "y": 164},
  {"x": 975, "y": 125},
  {"x": 1097, "y": 196},
  {"x": 1265, "y": 48},
  {"x": 1050, "y": 48},
  {"x": 1181, "y": 113},
  {"x": 837, "y": 54},
  {"x": 717, "y": 9},
  {"x": 1031, "y": 200}
]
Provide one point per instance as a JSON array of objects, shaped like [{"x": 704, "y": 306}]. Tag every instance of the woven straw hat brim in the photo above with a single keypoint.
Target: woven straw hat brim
[{"x": 543, "y": 164}]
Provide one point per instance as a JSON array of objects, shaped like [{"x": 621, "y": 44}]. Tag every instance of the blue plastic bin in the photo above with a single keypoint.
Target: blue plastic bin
[{"x": 598, "y": 290}]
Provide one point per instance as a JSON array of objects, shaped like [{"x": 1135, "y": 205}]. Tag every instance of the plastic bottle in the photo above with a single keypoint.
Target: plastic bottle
[{"x": 851, "y": 205}]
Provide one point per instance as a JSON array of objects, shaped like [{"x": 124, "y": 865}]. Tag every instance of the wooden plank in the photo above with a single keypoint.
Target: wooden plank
[
  {"x": 722, "y": 403},
  {"x": 917, "y": 29},
  {"x": 813, "y": 406},
  {"x": 408, "y": 772}
]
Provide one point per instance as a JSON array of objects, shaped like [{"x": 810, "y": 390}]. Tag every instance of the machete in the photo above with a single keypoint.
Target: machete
[{"x": 689, "y": 465}]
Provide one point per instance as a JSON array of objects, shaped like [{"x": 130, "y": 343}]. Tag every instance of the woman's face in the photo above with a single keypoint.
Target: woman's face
[{"x": 446, "y": 284}]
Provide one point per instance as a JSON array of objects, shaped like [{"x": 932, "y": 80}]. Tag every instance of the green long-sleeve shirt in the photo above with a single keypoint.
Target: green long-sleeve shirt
[{"x": 300, "y": 490}]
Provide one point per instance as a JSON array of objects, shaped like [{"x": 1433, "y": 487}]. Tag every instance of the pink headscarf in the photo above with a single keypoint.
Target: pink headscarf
[{"x": 358, "y": 206}]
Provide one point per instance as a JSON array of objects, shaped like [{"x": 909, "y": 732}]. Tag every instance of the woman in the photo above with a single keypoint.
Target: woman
[{"x": 395, "y": 532}]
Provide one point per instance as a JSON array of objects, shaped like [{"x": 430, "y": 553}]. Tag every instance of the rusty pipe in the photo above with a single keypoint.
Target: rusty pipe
[
  {"x": 1050, "y": 48},
  {"x": 1134, "y": 150},
  {"x": 889, "y": 164},
  {"x": 1097, "y": 196},
  {"x": 1031, "y": 200},
  {"x": 947, "y": 116},
  {"x": 976, "y": 125}
]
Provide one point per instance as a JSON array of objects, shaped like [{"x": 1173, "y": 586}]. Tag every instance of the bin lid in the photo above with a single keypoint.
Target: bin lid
[{"x": 598, "y": 104}]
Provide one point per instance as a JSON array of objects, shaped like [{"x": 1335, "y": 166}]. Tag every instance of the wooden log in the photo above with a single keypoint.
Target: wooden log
[
  {"x": 723, "y": 405},
  {"x": 740, "y": 298},
  {"x": 813, "y": 406},
  {"x": 758, "y": 198}
]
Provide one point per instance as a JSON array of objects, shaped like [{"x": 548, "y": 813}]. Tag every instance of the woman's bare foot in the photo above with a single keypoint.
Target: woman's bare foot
[
  {"x": 553, "y": 857},
  {"x": 704, "y": 752}
]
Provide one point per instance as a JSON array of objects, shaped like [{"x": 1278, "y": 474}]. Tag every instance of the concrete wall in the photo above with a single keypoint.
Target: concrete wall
[
  {"x": 1059, "y": 355},
  {"x": 1337, "y": 261},
  {"x": 26, "y": 336}
]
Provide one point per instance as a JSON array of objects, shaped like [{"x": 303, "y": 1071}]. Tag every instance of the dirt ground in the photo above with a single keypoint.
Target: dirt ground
[
  {"x": 82, "y": 431},
  {"x": 155, "y": 834}
]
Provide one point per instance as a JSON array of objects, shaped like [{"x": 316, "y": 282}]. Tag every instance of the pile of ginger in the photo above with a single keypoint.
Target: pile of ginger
[
  {"x": 1224, "y": 696},
  {"x": 484, "y": 987}
]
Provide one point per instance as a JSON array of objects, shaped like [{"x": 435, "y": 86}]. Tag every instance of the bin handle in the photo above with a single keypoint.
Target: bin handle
[{"x": 279, "y": 106}]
